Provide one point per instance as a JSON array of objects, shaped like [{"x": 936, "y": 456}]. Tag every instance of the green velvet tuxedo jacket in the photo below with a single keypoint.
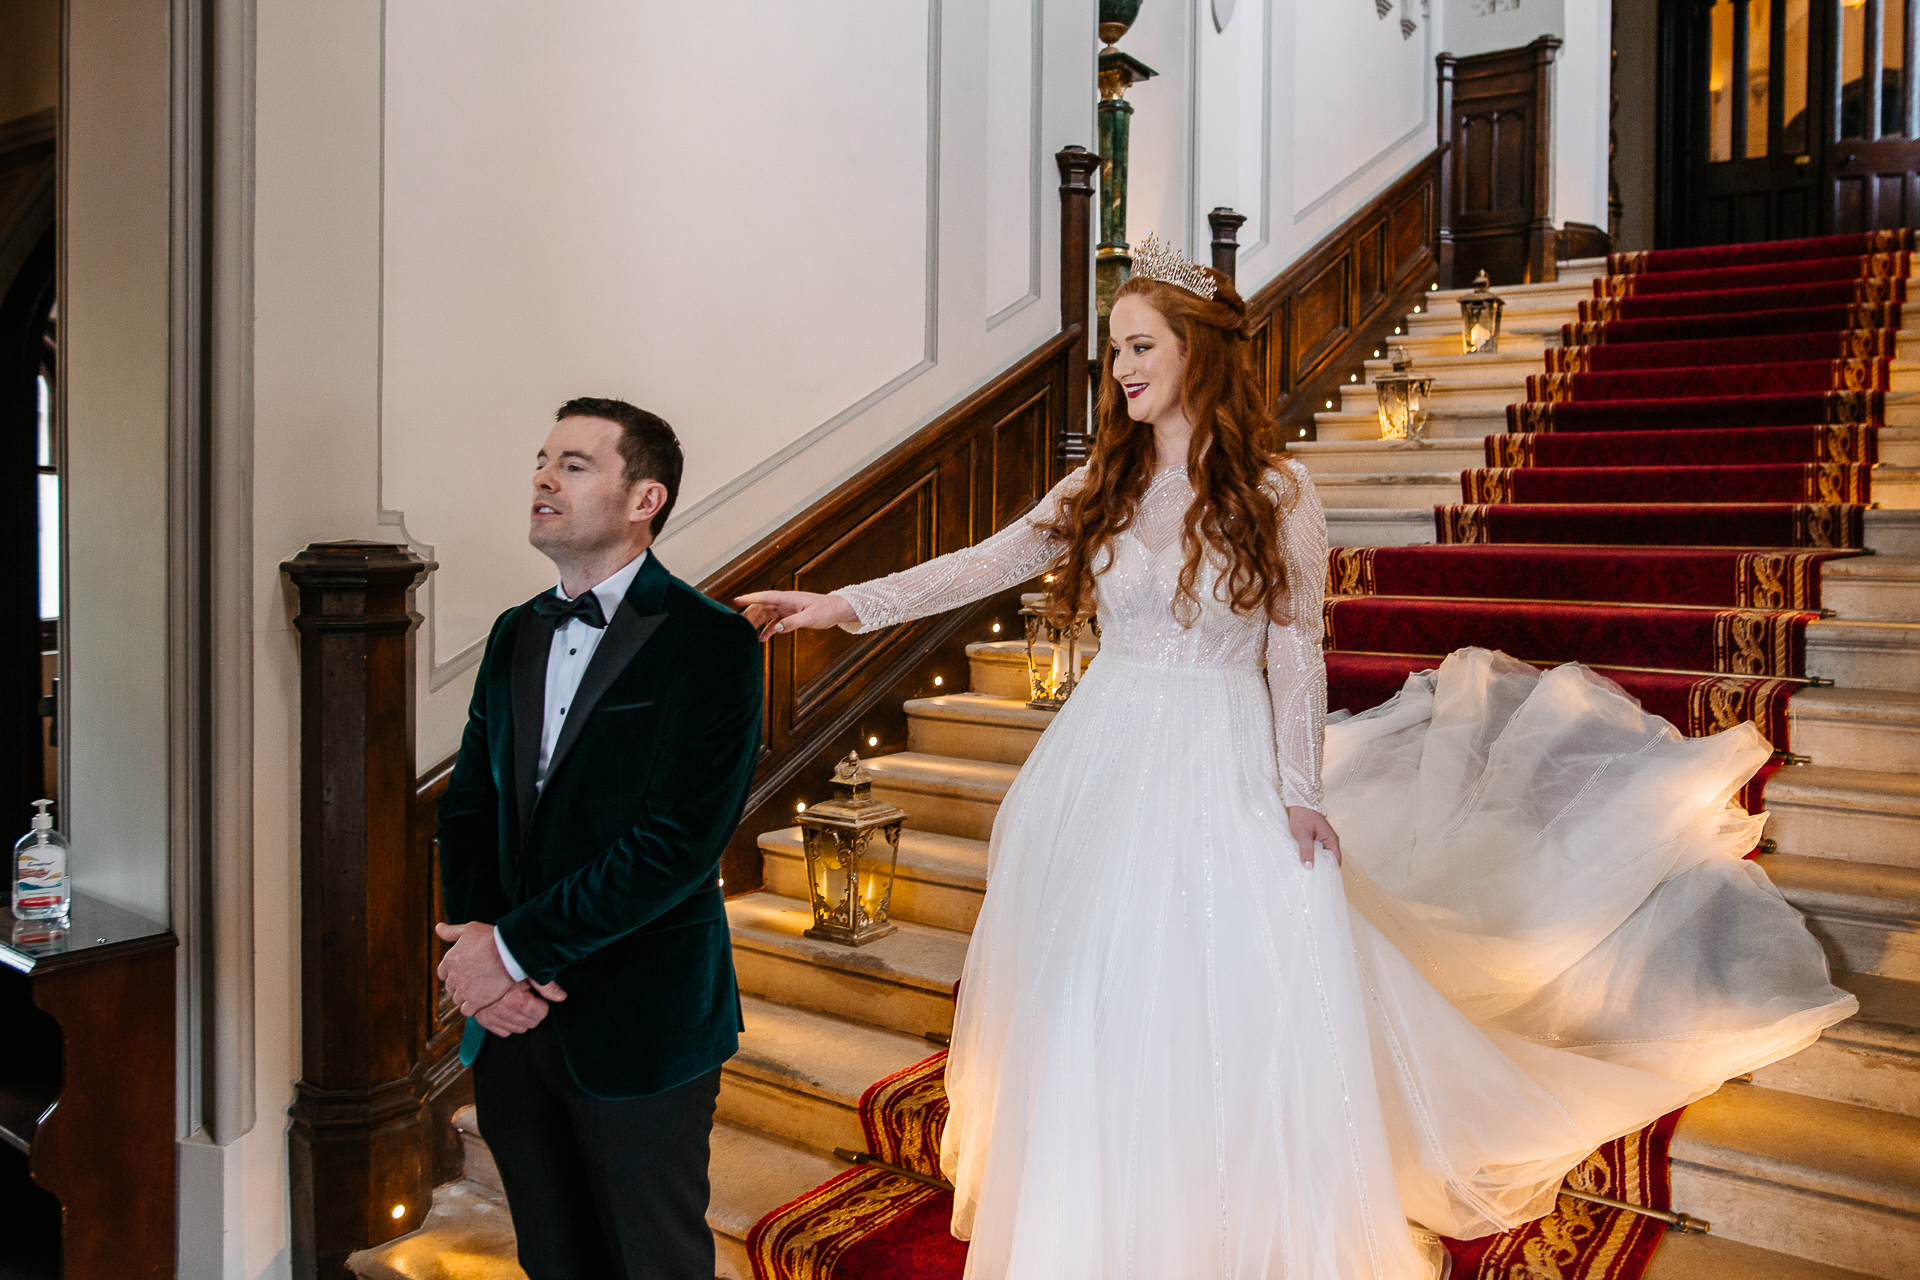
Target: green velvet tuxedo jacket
[{"x": 608, "y": 878}]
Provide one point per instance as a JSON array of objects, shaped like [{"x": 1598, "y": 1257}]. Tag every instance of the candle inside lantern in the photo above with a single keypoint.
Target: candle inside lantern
[
  {"x": 1478, "y": 337},
  {"x": 1057, "y": 671}
]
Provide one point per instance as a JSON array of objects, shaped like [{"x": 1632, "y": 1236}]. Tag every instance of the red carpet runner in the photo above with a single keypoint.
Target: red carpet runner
[
  {"x": 1659, "y": 508},
  {"x": 868, "y": 1224}
]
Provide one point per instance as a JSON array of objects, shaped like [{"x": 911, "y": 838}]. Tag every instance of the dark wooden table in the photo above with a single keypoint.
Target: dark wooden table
[{"x": 87, "y": 1095}]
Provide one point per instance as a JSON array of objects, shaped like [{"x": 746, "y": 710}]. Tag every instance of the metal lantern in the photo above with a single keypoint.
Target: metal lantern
[
  {"x": 1053, "y": 653},
  {"x": 1403, "y": 399},
  {"x": 850, "y": 875},
  {"x": 1480, "y": 317}
]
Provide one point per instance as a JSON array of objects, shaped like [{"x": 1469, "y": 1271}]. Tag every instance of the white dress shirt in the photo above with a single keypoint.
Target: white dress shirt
[{"x": 573, "y": 646}]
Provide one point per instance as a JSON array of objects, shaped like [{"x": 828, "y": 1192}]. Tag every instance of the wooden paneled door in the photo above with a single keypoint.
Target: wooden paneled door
[
  {"x": 1786, "y": 118},
  {"x": 1872, "y": 174}
]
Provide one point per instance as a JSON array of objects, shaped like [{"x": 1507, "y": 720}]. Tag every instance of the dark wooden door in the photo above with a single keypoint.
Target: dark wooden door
[
  {"x": 1786, "y": 118},
  {"x": 1873, "y": 163}
]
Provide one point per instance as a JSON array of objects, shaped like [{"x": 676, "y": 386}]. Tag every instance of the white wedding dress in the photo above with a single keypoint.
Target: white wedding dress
[{"x": 1180, "y": 1053}]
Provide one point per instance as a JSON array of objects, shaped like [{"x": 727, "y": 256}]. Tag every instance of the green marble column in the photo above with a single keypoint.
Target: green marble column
[{"x": 1113, "y": 261}]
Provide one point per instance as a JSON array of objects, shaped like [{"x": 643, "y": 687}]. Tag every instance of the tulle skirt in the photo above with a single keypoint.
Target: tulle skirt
[{"x": 1179, "y": 1052}]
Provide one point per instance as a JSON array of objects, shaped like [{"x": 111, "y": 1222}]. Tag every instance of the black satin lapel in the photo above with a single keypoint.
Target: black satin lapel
[
  {"x": 531, "y": 645},
  {"x": 625, "y": 634}
]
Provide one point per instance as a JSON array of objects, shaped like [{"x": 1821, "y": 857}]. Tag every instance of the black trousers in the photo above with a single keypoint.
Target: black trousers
[{"x": 599, "y": 1189}]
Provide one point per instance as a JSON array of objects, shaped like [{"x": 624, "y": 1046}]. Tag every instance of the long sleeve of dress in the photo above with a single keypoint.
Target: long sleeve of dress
[
  {"x": 1296, "y": 665},
  {"x": 1006, "y": 559}
]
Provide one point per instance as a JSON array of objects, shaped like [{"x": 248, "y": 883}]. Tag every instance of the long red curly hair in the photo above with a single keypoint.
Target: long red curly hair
[{"x": 1232, "y": 452}]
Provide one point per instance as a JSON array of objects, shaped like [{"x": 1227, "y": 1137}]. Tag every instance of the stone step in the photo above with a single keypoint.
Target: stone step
[
  {"x": 1900, "y": 446},
  {"x": 1432, "y": 341},
  {"x": 1896, "y": 487},
  {"x": 1866, "y": 915},
  {"x": 1459, "y": 369},
  {"x": 1870, "y": 1060},
  {"x": 1804, "y": 1176},
  {"x": 1876, "y": 588},
  {"x": 998, "y": 669},
  {"x": 1421, "y": 490},
  {"x": 1865, "y": 655},
  {"x": 468, "y": 1235},
  {"x": 945, "y": 794},
  {"x": 1325, "y": 458},
  {"x": 1860, "y": 815},
  {"x": 753, "y": 1174},
  {"x": 977, "y": 726},
  {"x": 1713, "y": 1257},
  {"x": 1474, "y": 424},
  {"x": 1874, "y": 729},
  {"x": 1893, "y": 533},
  {"x": 799, "y": 1074},
  {"x": 1379, "y": 527},
  {"x": 902, "y": 982},
  {"x": 939, "y": 880}
]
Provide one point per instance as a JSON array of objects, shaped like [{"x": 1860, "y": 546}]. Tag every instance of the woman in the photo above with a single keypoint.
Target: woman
[{"x": 1180, "y": 1051}]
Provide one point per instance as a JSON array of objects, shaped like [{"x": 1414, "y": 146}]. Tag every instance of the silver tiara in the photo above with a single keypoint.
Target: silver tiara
[{"x": 1157, "y": 260}]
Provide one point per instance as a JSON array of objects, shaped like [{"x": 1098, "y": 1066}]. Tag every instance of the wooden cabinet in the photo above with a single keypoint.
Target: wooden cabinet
[{"x": 87, "y": 1095}]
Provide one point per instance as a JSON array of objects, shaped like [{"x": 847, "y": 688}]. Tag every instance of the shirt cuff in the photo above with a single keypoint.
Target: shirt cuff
[{"x": 514, "y": 970}]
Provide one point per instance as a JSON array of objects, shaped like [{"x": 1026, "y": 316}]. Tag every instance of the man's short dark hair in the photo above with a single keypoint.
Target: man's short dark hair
[{"x": 648, "y": 446}]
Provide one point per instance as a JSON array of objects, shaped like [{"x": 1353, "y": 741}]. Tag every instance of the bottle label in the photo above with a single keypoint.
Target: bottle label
[
  {"x": 27, "y": 903},
  {"x": 41, "y": 873}
]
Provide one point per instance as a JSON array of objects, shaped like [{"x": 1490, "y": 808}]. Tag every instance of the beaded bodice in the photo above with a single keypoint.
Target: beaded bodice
[{"x": 1136, "y": 600}]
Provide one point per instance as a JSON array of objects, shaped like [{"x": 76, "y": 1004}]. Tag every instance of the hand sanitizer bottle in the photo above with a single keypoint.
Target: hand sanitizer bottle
[{"x": 40, "y": 889}]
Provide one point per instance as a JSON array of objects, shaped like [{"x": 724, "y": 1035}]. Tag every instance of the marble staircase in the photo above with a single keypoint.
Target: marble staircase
[
  {"x": 1817, "y": 1159},
  {"x": 1811, "y": 1171}
]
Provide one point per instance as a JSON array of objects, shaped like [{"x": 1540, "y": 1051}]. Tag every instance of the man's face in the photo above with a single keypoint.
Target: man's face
[{"x": 581, "y": 504}]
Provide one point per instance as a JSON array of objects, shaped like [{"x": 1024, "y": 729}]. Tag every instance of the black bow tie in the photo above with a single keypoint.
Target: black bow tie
[{"x": 557, "y": 612}]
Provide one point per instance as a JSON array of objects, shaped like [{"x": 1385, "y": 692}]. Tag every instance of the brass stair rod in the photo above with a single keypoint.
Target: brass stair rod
[
  {"x": 861, "y": 1157},
  {"x": 1683, "y": 1222}
]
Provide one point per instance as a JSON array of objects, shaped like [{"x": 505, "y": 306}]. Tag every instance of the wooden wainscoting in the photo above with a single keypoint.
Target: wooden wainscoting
[
  {"x": 971, "y": 472},
  {"x": 1320, "y": 317}
]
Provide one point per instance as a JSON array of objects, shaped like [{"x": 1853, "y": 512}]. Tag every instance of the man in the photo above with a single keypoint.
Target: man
[{"x": 604, "y": 767}]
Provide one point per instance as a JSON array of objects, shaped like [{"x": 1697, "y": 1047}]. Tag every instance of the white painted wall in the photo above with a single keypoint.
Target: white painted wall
[
  {"x": 1295, "y": 114},
  {"x": 114, "y": 310}
]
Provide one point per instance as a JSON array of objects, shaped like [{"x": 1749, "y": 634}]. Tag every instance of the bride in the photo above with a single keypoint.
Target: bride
[{"x": 1191, "y": 1039}]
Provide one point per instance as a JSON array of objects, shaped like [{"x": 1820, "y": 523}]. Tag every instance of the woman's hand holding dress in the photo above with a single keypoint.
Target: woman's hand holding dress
[{"x": 1297, "y": 671}]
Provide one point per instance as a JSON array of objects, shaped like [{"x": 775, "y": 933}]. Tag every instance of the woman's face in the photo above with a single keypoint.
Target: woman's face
[{"x": 1148, "y": 361}]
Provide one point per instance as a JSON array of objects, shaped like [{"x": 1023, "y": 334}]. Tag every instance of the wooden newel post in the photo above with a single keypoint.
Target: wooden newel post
[
  {"x": 361, "y": 1145},
  {"x": 1077, "y": 167},
  {"x": 1226, "y": 239}
]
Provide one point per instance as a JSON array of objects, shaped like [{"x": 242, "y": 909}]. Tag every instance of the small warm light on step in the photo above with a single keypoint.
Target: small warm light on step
[
  {"x": 801, "y": 807},
  {"x": 1434, "y": 287},
  {"x": 399, "y": 1211},
  {"x": 1376, "y": 355},
  {"x": 1353, "y": 377},
  {"x": 1329, "y": 404},
  {"x": 996, "y": 628},
  {"x": 1416, "y": 309},
  {"x": 938, "y": 681},
  {"x": 1303, "y": 433},
  {"x": 1396, "y": 328},
  {"x": 873, "y": 742}
]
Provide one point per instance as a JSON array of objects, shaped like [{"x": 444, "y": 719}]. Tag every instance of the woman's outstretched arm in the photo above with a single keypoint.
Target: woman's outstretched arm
[
  {"x": 1297, "y": 670},
  {"x": 1008, "y": 558}
]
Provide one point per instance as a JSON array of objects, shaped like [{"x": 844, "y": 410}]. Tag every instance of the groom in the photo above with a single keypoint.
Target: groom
[{"x": 604, "y": 767}]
